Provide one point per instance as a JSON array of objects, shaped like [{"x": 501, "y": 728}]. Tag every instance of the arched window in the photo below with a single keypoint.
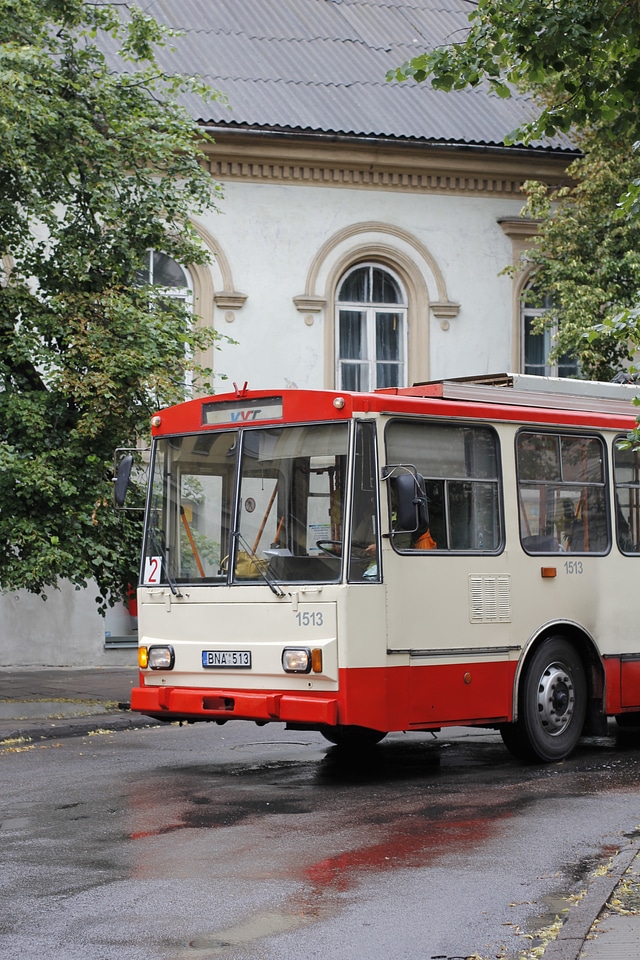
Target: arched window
[
  {"x": 536, "y": 347},
  {"x": 173, "y": 280},
  {"x": 371, "y": 329}
]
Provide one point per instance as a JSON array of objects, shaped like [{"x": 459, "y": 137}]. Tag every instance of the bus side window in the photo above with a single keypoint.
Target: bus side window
[
  {"x": 364, "y": 565},
  {"x": 435, "y": 505},
  {"x": 626, "y": 473},
  {"x": 562, "y": 493},
  {"x": 459, "y": 463}
]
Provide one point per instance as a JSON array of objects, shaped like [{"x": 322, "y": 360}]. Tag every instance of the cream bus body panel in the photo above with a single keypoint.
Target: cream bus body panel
[
  {"x": 447, "y": 609},
  {"x": 429, "y": 593},
  {"x": 362, "y": 631},
  {"x": 224, "y": 617},
  {"x": 431, "y": 601},
  {"x": 246, "y": 618},
  {"x": 585, "y": 590}
]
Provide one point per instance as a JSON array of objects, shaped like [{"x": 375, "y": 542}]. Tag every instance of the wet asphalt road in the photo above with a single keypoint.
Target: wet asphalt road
[{"x": 250, "y": 843}]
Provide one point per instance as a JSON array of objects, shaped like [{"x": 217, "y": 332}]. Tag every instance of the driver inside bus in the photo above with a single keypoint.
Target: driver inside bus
[{"x": 420, "y": 539}]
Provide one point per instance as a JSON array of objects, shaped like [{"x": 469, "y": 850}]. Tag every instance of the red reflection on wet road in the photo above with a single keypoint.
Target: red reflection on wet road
[{"x": 415, "y": 846}]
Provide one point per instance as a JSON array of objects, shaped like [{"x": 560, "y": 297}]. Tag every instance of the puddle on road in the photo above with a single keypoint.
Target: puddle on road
[
  {"x": 408, "y": 846},
  {"x": 546, "y": 925},
  {"x": 323, "y": 866},
  {"x": 555, "y": 906},
  {"x": 206, "y": 813},
  {"x": 266, "y": 924},
  {"x": 584, "y": 868}
]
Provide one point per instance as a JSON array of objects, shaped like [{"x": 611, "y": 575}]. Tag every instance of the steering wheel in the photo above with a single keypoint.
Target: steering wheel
[{"x": 359, "y": 550}]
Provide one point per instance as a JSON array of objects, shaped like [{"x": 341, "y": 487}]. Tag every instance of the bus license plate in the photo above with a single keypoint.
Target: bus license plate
[{"x": 227, "y": 658}]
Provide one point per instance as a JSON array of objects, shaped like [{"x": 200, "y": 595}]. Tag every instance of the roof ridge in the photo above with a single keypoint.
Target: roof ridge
[{"x": 274, "y": 39}]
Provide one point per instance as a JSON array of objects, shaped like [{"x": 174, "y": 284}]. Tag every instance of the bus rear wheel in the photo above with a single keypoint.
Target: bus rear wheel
[
  {"x": 552, "y": 704},
  {"x": 352, "y": 737}
]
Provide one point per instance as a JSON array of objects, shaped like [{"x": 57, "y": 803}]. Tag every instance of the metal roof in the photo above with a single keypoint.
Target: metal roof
[{"x": 320, "y": 65}]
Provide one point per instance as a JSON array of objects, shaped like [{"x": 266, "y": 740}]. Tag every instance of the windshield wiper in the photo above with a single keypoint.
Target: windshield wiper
[
  {"x": 270, "y": 581},
  {"x": 157, "y": 541}
]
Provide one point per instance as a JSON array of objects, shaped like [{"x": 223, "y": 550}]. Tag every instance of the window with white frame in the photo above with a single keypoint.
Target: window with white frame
[
  {"x": 172, "y": 282},
  {"x": 371, "y": 329},
  {"x": 165, "y": 273},
  {"x": 537, "y": 346}
]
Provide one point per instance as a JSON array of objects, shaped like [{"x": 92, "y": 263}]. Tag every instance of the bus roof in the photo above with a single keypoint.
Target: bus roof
[
  {"x": 519, "y": 389},
  {"x": 504, "y": 396}
]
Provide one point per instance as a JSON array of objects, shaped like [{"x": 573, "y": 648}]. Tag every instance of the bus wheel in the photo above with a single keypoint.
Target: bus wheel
[
  {"x": 552, "y": 704},
  {"x": 352, "y": 737}
]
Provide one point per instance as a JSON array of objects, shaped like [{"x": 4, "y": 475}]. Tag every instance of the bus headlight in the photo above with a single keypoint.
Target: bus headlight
[
  {"x": 161, "y": 658},
  {"x": 296, "y": 660}
]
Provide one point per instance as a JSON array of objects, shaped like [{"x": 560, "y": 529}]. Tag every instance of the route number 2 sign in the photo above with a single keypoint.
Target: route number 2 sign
[{"x": 152, "y": 570}]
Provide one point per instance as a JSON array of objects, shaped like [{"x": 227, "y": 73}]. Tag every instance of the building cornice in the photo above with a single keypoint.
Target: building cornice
[{"x": 407, "y": 167}]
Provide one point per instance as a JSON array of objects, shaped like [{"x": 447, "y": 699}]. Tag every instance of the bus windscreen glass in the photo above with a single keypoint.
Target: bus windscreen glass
[
  {"x": 281, "y": 519},
  {"x": 190, "y": 508},
  {"x": 291, "y": 504}
]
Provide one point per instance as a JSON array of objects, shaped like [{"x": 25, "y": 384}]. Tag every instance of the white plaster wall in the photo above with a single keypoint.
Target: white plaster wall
[
  {"x": 63, "y": 630},
  {"x": 270, "y": 234}
]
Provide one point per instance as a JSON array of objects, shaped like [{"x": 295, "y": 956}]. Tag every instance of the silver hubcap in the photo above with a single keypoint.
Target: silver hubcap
[{"x": 556, "y": 699}]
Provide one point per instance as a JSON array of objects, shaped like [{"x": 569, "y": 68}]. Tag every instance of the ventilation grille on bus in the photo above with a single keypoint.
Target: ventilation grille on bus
[{"x": 490, "y": 599}]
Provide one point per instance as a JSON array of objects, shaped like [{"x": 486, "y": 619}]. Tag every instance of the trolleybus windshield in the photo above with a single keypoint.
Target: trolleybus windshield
[{"x": 256, "y": 504}]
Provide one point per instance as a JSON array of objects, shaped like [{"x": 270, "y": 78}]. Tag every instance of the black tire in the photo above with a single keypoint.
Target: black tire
[
  {"x": 552, "y": 704},
  {"x": 352, "y": 737}
]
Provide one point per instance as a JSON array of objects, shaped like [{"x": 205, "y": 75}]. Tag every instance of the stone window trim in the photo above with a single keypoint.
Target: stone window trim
[{"x": 394, "y": 249}]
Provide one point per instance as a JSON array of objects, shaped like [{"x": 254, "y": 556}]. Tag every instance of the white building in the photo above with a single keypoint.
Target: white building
[{"x": 365, "y": 228}]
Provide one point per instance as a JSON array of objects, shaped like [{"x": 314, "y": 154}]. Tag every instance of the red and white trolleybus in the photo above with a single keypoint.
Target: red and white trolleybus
[{"x": 454, "y": 553}]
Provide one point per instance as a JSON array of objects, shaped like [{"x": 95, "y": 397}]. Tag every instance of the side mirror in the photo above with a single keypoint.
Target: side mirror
[
  {"x": 411, "y": 503},
  {"x": 121, "y": 480}
]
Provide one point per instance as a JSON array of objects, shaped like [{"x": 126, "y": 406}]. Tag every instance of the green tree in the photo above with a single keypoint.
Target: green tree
[
  {"x": 587, "y": 258},
  {"x": 96, "y": 167},
  {"x": 581, "y": 57},
  {"x": 581, "y": 61}
]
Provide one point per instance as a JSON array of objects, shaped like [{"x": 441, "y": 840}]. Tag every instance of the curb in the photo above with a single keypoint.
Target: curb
[
  {"x": 582, "y": 915},
  {"x": 75, "y": 727}
]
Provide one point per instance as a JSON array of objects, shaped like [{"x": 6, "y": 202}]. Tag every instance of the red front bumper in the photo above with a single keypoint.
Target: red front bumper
[{"x": 190, "y": 703}]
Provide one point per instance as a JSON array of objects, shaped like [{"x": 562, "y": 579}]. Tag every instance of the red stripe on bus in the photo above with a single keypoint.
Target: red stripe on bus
[{"x": 394, "y": 698}]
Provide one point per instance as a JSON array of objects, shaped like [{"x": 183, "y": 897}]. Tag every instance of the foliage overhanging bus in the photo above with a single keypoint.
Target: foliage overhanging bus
[{"x": 454, "y": 553}]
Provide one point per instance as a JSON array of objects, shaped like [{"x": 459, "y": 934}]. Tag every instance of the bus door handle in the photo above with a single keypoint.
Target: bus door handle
[{"x": 295, "y": 595}]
